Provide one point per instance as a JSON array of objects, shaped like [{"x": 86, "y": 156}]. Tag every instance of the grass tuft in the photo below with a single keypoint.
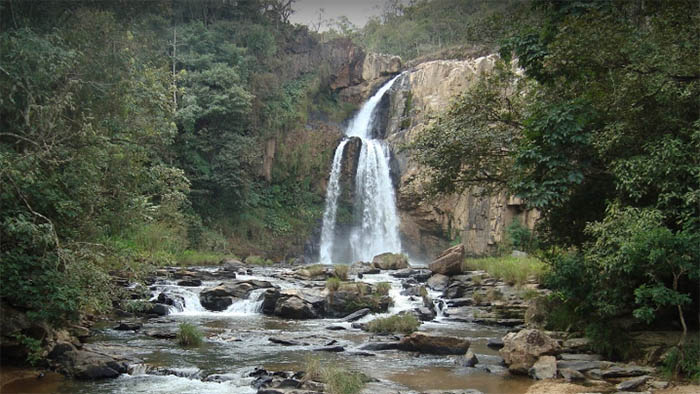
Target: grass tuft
[
  {"x": 189, "y": 335},
  {"x": 382, "y": 288},
  {"x": 405, "y": 324},
  {"x": 332, "y": 284},
  {"x": 341, "y": 271},
  {"x": 512, "y": 270}
]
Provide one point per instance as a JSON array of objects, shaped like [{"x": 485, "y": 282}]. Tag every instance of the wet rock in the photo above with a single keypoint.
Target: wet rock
[
  {"x": 359, "y": 326},
  {"x": 433, "y": 344},
  {"x": 59, "y": 349},
  {"x": 390, "y": 261},
  {"x": 221, "y": 297},
  {"x": 190, "y": 282},
  {"x": 89, "y": 365},
  {"x": 331, "y": 349},
  {"x": 286, "y": 342},
  {"x": 494, "y": 369},
  {"x": 449, "y": 262},
  {"x": 160, "y": 309},
  {"x": 438, "y": 282},
  {"x": 522, "y": 349},
  {"x": 571, "y": 375},
  {"x": 379, "y": 346},
  {"x": 161, "y": 334},
  {"x": 403, "y": 273},
  {"x": 421, "y": 275},
  {"x": 335, "y": 328},
  {"x": 492, "y": 321},
  {"x": 126, "y": 326},
  {"x": 457, "y": 290},
  {"x": 495, "y": 343},
  {"x": 357, "y": 315},
  {"x": 459, "y": 302},
  {"x": 424, "y": 313},
  {"x": 352, "y": 298},
  {"x": 221, "y": 377},
  {"x": 632, "y": 384},
  {"x": 544, "y": 368},
  {"x": 620, "y": 372},
  {"x": 469, "y": 360},
  {"x": 270, "y": 298}
]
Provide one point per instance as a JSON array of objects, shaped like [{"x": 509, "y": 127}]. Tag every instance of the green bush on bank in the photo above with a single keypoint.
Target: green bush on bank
[
  {"x": 189, "y": 335},
  {"x": 513, "y": 270}
]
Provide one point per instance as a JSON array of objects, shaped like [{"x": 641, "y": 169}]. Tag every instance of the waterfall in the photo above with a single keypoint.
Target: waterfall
[{"x": 376, "y": 229}]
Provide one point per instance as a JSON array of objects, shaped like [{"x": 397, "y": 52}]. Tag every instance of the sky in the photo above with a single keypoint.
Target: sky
[{"x": 358, "y": 11}]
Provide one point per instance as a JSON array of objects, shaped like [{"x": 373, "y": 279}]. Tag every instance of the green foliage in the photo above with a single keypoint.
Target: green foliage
[
  {"x": 137, "y": 306},
  {"x": 521, "y": 237},
  {"x": 406, "y": 324},
  {"x": 513, "y": 270},
  {"x": 189, "y": 335},
  {"x": 341, "y": 381},
  {"x": 32, "y": 346},
  {"x": 194, "y": 257},
  {"x": 258, "y": 260},
  {"x": 333, "y": 284},
  {"x": 341, "y": 271},
  {"x": 683, "y": 361},
  {"x": 382, "y": 288},
  {"x": 610, "y": 340}
]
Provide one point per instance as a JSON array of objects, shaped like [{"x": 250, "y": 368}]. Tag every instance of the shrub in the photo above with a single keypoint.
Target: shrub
[
  {"x": 316, "y": 269},
  {"x": 196, "y": 257},
  {"x": 332, "y": 284},
  {"x": 405, "y": 324},
  {"x": 477, "y": 297},
  {"x": 189, "y": 335},
  {"x": 342, "y": 381},
  {"x": 32, "y": 346},
  {"x": 382, "y": 288},
  {"x": 312, "y": 368},
  {"x": 521, "y": 237},
  {"x": 137, "y": 306},
  {"x": 341, "y": 271},
  {"x": 685, "y": 362}
]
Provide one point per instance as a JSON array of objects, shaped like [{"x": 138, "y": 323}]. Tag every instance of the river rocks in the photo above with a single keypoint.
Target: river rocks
[
  {"x": 349, "y": 299},
  {"x": 632, "y": 384},
  {"x": 495, "y": 343},
  {"x": 469, "y": 360},
  {"x": 433, "y": 344},
  {"x": 87, "y": 364},
  {"x": 221, "y": 297},
  {"x": 620, "y": 371},
  {"x": 438, "y": 282},
  {"x": 571, "y": 375},
  {"x": 357, "y": 315},
  {"x": 544, "y": 368},
  {"x": 522, "y": 349},
  {"x": 449, "y": 262},
  {"x": 390, "y": 261},
  {"x": 577, "y": 344},
  {"x": 128, "y": 326},
  {"x": 293, "y": 307},
  {"x": 379, "y": 346},
  {"x": 582, "y": 365},
  {"x": 363, "y": 268},
  {"x": 190, "y": 282},
  {"x": 160, "y": 309}
]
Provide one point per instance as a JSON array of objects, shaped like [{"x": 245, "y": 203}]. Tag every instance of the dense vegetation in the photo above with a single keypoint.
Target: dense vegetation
[
  {"x": 601, "y": 134},
  {"x": 134, "y": 133}
]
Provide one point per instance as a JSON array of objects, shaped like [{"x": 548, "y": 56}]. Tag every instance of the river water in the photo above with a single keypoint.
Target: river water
[{"x": 237, "y": 341}]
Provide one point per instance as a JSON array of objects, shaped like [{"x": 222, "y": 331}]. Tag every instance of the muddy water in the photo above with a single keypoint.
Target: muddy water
[{"x": 237, "y": 341}]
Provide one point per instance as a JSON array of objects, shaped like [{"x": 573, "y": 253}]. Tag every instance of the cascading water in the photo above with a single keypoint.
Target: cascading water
[{"x": 377, "y": 227}]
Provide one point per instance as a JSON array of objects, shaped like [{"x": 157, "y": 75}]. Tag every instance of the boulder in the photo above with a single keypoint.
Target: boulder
[
  {"x": 390, "y": 261},
  {"x": 456, "y": 290},
  {"x": 88, "y": 365},
  {"x": 270, "y": 298},
  {"x": 363, "y": 268},
  {"x": 351, "y": 299},
  {"x": 438, "y": 282},
  {"x": 160, "y": 309},
  {"x": 571, "y": 375},
  {"x": 293, "y": 307},
  {"x": 433, "y": 344},
  {"x": 449, "y": 262},
  {"x": 522, "y": 349},
  {"x": 127, "y": 326},
  {"x": 544, "y": 368},
  {"x": 190, "y": 282},
  {"x": 221, "y": 297}
]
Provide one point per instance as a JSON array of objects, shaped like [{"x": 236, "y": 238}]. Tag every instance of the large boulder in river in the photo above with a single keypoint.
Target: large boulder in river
[
  {"x": 221, "y": 297},
  {"x": 449, "y": 262},
  {"x": 522, "y": 349},
  {"x": 390, "y": 261},
  {"x": 352, "y": 297},
  {"x": 433, "y": 344},
  {"x": 438, "y": 282},
  {"x": 299, "y": 304}
]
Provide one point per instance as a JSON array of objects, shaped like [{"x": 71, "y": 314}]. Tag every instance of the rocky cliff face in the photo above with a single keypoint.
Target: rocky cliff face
[{"x": 428, "y": 225}]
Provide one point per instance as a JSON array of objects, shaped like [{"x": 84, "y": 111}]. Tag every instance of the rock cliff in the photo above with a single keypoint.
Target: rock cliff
[{"x": 427, "y": 226}]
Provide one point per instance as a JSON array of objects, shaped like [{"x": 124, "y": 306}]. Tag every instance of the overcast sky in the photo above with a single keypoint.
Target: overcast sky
[{"x": 358, "y": 11}]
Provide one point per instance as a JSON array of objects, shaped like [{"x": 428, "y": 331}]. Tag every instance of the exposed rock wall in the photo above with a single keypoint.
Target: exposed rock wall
[{"x": 478, "y": 220}]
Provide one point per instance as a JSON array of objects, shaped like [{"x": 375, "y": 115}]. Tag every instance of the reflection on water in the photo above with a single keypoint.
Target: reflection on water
[
  {"x": 19, "y": 381},
  {"x": 442, "y": 378}
]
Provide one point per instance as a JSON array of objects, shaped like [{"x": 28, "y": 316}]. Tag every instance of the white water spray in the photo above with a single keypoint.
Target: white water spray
[{"x": 378, "y": 228}]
